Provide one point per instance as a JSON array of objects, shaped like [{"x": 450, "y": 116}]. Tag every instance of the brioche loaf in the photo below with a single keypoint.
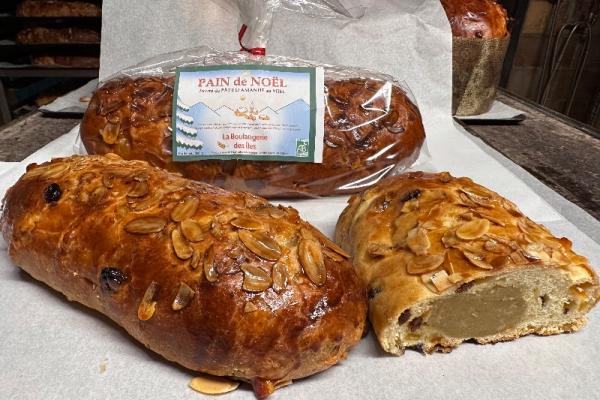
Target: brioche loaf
[
  {"x": 57, "y": 8},
  {"x": 41, "y": 35},
  {"x": 364, "y": 138},
  {"x": 67, "y": 61},
  {"x": 446, "y": 260},
  {"x": 219, "y": 282},
  {"x": 476, "y": 18}
]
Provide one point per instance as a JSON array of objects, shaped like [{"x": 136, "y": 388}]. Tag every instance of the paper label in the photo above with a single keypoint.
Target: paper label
[{"x": 248, "y": 112}]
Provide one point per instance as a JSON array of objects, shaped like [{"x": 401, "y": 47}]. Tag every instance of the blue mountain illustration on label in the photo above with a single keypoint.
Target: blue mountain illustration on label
[
  {"x": 196, "y": 121},
  {"x": 295, "y": 113}
]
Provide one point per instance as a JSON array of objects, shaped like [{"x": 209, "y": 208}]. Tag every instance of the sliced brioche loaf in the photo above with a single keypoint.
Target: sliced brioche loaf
[{"x": 447, "y": 260}]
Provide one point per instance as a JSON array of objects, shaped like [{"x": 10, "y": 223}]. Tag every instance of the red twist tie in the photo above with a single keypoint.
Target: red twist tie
[{"x": 257, "y": 51}]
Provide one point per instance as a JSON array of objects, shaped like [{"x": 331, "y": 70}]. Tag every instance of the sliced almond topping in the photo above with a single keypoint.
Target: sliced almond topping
[
  {"x": 560, "y": 258},
  {"x": 182, "y": 249},
  {"x": 311, "y": 259},
  {"x": 50, "y": 171},
  {"x": 421, "y": 264},
  {"x": 261, "y": 244},
  {"x": 445, "y": 177},
  {"x": 494, "y": 247},
  {"x": 402, "y": 225},
  {"x": 139, "y": 189},
  {"x": 491, "y": 218},
  {"x": 256, "y": 279},
  {"x": 536, "y": 251},
  {"x": 418, "y": 242},
  {"x": 252, "y": 201},
  {"x": 113, "y": 156},
  {"x": 518, "y": 258},
  {"x": 186, "y": 209},
  {"x": 455, "y": 278},
  {"x": 108, "y": 180},
  {"x": 333, "y": 255},
  {"x": 210, "y": 270},
  {"x": 113, "y": 118},
  {"x": 122, "y": 211},
  {"x": 191, "y": 230},
  {"x": 98, "y": 195},
  {"x": 184, "y": 295},
  {"x": 448, "y": 266},
  {"x": 145, "y": 225},
  {"x": 247, "y": 223},
  {"x": 337, "y": 249},
  {"x": 205, "y": 221},
  {"x": 279, "y": 276},
  {"x": 209, "y": 384},
  {"x": 276, "y": 212},
  {"x": 473, "y": 229},
  {"x": 147, "y": 306},
  {"x": 468, "y": 216},
  {"x": 249, "y": 307},
  {"x": 378, "y": 249},
  {"x": 477, "y": 260},
  {"x": 331, "y": 244},
  {"x": 410, "y": 206},
  {"x": 426, "y": 277},
  {"x": 449, "y": 239},
  {"x": 477, "y": 199},
  {"x": 440, "y": 280},
  {"x": 197, "y": 257},
  {"x": 141, "y": 176},
  {"x": 110, "y": 133},
  {"x": 503, "y": 240},
  {"x": 306, "y": 234},
  {"x": 522, "y": 226}
]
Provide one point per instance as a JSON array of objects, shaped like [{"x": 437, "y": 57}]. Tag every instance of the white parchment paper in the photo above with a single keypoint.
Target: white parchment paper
[
  {"x": 53, "y": 349},
  {"x": 498, "y": 112},
  {"x": 75, "y": 101}
]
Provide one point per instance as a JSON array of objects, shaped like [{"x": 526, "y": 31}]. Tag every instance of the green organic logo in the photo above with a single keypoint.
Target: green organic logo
[{"x": 301, "y": 147}]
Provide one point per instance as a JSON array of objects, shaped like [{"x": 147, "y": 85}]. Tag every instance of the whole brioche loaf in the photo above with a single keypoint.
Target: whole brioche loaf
[
  {"x": 476, "y": 18},
  {"x": 67, "y": 61},
  {"x": 364, "y": 137},
  {"x": 219, "y": 282},
  {"x": 447, "y": 260},
  {"x": 41, "y": 35},
  {"x": 57, "y": 8}
]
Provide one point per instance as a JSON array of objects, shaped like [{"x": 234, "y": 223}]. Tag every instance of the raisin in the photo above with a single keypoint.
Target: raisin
[
  {"x": 111, "y": 279},
  {"x": 413, "y": 194},
  {"x": 52, "y": 193},
  {"x": 404, "y": 316},
  {"x": 464, "y": 287},
  {"x": 374, "y": 291},
  {"x": 415, "y": 324}
]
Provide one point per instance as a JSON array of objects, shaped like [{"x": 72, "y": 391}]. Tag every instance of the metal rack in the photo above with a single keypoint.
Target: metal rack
[{"x": 15, "y": 59}]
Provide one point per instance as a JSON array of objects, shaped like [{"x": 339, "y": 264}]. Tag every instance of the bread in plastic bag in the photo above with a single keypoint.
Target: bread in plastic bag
[
  {"x": 372, "y": 126},
  {"x": 479, "y": 43}
]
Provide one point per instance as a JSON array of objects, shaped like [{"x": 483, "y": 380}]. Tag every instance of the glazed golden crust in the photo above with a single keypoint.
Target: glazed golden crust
[
  {"x": 41, "y": 35},
  {"x": 418, "y": 236},
  {"x": 476, "y": 18},
  {"x": 132, "y": 118},
  {"x": 57, "y": 8},
  {"x": 260, "y": 295}
]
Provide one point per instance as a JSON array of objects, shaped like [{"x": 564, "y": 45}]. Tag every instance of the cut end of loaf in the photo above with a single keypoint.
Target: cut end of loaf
[{"x": 537, "y": 300}]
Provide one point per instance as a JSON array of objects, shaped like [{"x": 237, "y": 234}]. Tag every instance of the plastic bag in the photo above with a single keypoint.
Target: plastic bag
[
  {"x": 372, "y": 127},
  {"x": 479, "y": 43},
  {"x": 256, "y": 17}
]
